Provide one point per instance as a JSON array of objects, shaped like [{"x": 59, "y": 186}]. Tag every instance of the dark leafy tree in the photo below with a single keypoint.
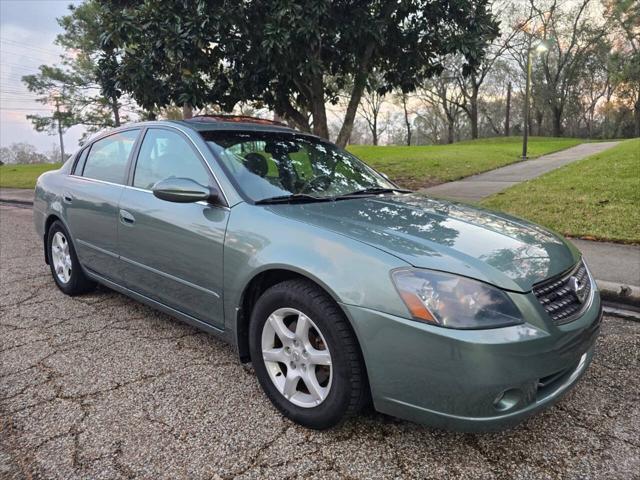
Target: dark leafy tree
[
  {"x": 290, "y": 56},
  {"x": 296, "y": 57}
]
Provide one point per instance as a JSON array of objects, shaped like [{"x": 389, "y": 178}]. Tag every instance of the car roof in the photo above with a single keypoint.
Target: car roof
[
  {"x": 206, "y": 124},
  {"x": 199, "y": 125}
]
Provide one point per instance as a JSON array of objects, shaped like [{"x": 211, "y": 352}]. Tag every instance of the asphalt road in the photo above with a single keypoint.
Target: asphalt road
[{"x": 100, "y": 386}]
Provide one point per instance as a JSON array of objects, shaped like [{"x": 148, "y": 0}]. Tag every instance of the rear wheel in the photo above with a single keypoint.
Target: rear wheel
[
  {"x": 306, "y": 356},
  {"x": 64, "y": 264}
]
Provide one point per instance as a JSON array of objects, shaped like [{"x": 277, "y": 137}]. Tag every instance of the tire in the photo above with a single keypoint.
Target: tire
[
  {"x": 61, "y": 251},
  {"x": 340, "y": 389}
]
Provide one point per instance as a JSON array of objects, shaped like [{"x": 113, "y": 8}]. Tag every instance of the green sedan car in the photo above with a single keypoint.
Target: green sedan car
[{"x": 339, "y": 287}]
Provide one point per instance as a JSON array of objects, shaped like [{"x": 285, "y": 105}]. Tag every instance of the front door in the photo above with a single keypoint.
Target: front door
[
  {"x": 172, "y": 252},
  {"x": 91, "y": 203}
]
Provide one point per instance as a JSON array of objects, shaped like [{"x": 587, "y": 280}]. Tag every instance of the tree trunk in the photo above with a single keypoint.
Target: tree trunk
[
  {"x": 473, "y": 112},
  {"x": 507, "y": 116},
  {"x": 557, "y": 121},
  {"x": 374, "y": 128},
  {"x": 359, "y": 84},
  {"x": 187, "y": 111},
  {"x": 406, "y": 119},
  {"x": 539, "y": 120},
  {"x": 285, "y": 109},
  {"x": 318, "y": 110},
  {"x": 450, "y": 130},
  {"x": 116, "y": 111},
  {"x": 636, "y": 117}
]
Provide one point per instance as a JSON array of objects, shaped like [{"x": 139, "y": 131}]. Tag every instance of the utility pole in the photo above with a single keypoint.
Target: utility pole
[{"x": 59, "y": 118}]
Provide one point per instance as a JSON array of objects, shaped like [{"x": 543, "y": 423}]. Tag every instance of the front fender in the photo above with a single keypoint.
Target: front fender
[{"x": 352, "y": 272}]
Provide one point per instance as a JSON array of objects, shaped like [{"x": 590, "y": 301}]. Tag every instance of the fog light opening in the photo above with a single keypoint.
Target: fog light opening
[{"x": 507, "y": 399}]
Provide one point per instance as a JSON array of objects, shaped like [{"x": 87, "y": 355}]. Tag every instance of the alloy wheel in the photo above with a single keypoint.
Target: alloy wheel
[
  {"x": 61, "y": 257},
  {"x": 297, "y": 357}
]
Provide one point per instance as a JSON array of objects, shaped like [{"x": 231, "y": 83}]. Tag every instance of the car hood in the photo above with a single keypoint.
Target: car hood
[{"x": 429, "y": 233}]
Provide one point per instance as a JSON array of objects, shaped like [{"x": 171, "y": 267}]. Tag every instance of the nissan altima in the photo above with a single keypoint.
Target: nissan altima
[{"x": 340, "y": 288}]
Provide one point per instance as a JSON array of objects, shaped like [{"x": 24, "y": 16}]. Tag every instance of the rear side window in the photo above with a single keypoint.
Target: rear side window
[
  {"x": 107, "y": 159},
  {"x": 80, "y": 163},
  {"x": 165, "y": 154}
]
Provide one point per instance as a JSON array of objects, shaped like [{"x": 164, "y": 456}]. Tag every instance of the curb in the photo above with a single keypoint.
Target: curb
[
  {"x": 16, "y": 201},
  {"x": 619, "y": 293}
]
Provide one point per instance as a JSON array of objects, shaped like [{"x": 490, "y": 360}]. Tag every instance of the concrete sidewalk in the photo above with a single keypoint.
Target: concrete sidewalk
[{"x": 477, "y": 187}]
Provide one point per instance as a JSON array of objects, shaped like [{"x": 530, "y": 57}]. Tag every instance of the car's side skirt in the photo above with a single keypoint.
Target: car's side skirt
[{"x": 159, "y": 306}]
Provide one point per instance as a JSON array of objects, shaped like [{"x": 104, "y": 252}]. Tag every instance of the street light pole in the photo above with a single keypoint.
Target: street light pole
[
  {"x": 541, "y": 47},
  {"x": 525, "y": 137}
]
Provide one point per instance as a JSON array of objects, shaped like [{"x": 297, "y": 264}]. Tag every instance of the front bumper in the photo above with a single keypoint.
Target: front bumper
[{"x": 472, "y": 380}]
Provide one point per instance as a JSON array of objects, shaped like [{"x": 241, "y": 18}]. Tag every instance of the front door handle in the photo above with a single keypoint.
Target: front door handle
[{"x": 126, "y": 217}]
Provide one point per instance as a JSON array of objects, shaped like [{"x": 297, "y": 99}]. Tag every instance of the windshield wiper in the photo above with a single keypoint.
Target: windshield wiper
[
  {"x": 293, "y": 198},
  {"x": 374, "y": 191}
]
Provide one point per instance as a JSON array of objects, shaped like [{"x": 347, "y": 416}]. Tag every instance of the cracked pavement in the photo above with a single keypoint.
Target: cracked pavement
[{"x": 100, "y": 386}]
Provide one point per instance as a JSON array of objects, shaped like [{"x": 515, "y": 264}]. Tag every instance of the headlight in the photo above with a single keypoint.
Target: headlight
[{"x": 454, "y": 302}]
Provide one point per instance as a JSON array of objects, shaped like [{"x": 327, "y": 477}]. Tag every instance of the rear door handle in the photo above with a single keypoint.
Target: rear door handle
[
  {"x": 67, "y": 198},
  {"x": 126, "y": 217}
]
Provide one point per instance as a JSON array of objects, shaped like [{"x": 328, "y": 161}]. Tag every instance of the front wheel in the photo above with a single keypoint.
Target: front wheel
[
  {"x": 64, "y": 263},
  {"x": 306, "y": 356}
]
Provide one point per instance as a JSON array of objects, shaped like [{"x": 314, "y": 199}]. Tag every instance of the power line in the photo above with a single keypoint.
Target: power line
[
  {"x": 30, "y": 47},
  {"x": 25, "y": 109},
  {"x": 28, "y": 55}
]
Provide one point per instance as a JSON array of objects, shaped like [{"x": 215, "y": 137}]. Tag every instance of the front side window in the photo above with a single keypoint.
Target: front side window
[
  {"x": 272, "y": 164},
  {"x": 107, "y": 159},
  {"x": 165, "y": 154}
]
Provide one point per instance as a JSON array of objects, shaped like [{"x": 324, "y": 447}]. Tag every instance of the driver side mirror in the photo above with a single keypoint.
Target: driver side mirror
[{"x": 184, "y": 190}]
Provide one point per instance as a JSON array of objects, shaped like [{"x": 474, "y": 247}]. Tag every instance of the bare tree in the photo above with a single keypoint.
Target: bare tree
[
  {"x": 403, "y": 98},
  {"x": 443, "y": 92},
  {"x": 370, "y": 106},
  {"x": 572, "y": 34}
]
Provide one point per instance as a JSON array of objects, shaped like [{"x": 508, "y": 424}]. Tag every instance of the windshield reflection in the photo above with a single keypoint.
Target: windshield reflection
[{"x": 273, "y": 164}]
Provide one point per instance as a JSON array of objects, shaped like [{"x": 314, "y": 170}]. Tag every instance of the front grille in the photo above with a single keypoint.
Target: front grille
[{"x": 559, "y": 297}]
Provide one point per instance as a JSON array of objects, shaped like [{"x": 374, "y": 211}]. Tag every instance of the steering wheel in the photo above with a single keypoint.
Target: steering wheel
[{"x": 322, "y": 181}]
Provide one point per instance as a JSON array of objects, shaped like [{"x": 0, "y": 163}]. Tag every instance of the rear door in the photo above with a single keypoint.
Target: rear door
[
  {"x": 172, "y": 252},
  {"x": 91, "y": 201}
]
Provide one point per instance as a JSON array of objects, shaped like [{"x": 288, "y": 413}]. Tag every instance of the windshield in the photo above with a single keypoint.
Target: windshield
[{"x": 271, "y": 164}]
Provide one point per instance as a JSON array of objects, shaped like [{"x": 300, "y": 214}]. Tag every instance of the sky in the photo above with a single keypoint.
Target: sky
[{"x": 28, "y": 29}]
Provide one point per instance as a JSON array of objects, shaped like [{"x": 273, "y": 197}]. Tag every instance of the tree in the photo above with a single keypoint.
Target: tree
[
  {"x": 21, "y": 153},
  {"x": 403, "y": 99},
  {"x": 593, "y": 84},
  {"x": 370, "y": 106},
  {"x": 167, "y": 52},
  {"x": 97, "y": 66},
  {"x": 571, "y": 34},
  {"x": 81, "y": 88},
  {"x": 471, "y": 83},
  {"x": 624, "y": 18},
  {"x": 443, "y": 94},
  {"x": 73, "y": 98},
  {"x": 293, "y": 57}
]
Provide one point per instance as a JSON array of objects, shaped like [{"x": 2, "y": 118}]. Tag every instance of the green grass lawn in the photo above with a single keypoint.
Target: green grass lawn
[
  {"x": 595, "y": 198},
  {"x": 423, "y": 166},
  {"x": 23, "y": 176},
  {"x": 411, "y": 167}
]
